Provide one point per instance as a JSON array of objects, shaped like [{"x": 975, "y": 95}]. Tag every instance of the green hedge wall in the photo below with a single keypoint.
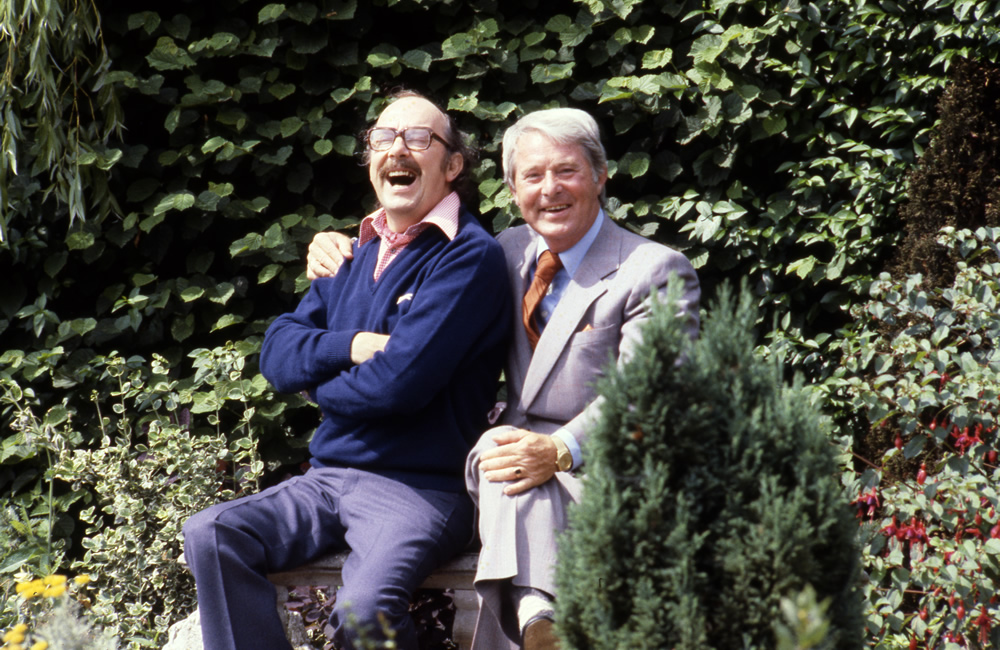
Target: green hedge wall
[{"x": 766, "y": 139}]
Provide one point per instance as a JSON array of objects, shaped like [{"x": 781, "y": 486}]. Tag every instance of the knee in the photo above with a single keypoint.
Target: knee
[
  {"x": 200, "y": 534},
  {"x": 484, "y": 444}
]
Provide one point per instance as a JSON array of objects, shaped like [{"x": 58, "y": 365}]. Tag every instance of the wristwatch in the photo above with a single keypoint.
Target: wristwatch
[{"x": 564, "y": 458}]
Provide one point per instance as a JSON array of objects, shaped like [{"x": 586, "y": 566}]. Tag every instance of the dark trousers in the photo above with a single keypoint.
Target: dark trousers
[{"x": 396, "y": 535}]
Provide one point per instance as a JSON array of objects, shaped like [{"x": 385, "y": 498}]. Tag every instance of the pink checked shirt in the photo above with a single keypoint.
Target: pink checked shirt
[{"x": 444, "y": 215}]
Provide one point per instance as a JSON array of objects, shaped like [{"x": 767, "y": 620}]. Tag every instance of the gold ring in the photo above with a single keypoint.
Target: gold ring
[{"x": 517, "y": 472}]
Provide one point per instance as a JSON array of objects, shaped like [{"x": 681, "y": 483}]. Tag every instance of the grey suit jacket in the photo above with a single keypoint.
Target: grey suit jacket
[{"x": 597, "y": 320}]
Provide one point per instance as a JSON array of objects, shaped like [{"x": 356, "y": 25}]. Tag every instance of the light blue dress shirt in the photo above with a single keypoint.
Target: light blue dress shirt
[{"x": 571, "y": 260}]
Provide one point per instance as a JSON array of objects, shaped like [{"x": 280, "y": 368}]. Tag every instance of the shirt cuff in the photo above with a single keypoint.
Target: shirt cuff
[{"x": 574, "y": 446}]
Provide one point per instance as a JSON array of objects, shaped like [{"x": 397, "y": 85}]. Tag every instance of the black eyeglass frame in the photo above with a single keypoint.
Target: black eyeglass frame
[{"x": 402, "y": 133}]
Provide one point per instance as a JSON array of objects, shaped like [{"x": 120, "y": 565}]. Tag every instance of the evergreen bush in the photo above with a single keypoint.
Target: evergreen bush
[{"x": 711, "y": 493}]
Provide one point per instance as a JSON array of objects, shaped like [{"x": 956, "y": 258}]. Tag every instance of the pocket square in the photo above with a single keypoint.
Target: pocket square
[
  {"x": 587, "y": 327},
  {"x": 404, "y": 297}
]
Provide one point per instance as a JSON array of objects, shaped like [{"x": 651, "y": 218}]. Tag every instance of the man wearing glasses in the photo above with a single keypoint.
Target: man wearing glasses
[{"x": 401, "y": 351}]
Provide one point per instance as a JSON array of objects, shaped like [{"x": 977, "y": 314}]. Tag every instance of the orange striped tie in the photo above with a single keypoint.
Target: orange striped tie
[{"x": 548, "y": 265}]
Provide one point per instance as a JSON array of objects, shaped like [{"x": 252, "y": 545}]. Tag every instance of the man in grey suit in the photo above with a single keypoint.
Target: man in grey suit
[{"x": 582, "y": 288}]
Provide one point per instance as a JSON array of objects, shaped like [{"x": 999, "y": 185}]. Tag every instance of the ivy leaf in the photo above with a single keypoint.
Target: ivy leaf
[
  {"x": 418, "y": 60},
  {"x": 226, "y": 320},
  {"x": 656, "y": 59},
  {"x": 290, "y": 126},
  {"x": 774, "y": 124},
  {"x": 344, "y": 145},
  {"x": 268, "y": 272},
  {"x": 192, "y": 293},
  {"x": 634, "y": 164},
  {"x": 707, "y": 48},
  {"x": 802, "y": 268},
  {"x": 571, "y": 33},
  {"x": 270, "y": 13},
  {"x": 281, "y": 90},
  {"x": 212, "y": 144},
  {"x": 168, "y": 56},
  {"x": 175, "y": 201},
  {"x": 548, "y": 73},
  {"x": 148, "y": 20},
  {"x": 182, "y": 327},
  {"x": 79, "y": 240},
  {"x": 380, "y": 59}
]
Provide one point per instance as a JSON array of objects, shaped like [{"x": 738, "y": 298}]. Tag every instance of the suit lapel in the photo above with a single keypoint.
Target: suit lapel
[{"x": 586, "y": 286}]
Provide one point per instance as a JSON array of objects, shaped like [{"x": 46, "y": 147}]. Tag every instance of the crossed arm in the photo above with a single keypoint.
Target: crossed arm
[{"x": 522, "y": 458}]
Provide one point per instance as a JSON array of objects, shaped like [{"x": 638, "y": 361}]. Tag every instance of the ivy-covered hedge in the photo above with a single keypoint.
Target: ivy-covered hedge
[{"x": 163, "y": 166}]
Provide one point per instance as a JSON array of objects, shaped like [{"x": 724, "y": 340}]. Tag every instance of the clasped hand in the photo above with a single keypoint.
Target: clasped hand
[{"x": 523, "y": 457}]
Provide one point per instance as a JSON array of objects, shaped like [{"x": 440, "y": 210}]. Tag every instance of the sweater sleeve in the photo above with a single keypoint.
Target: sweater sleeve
[
  {"x": 299, "y": 353},
  {"x": 461, "y": 305}
]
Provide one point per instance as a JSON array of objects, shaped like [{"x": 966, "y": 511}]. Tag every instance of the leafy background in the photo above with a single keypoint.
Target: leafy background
[{"x": 163, "y": 166}]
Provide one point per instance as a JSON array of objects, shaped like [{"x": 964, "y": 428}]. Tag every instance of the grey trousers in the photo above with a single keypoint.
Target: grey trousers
[{"x": 519, "y": 535}]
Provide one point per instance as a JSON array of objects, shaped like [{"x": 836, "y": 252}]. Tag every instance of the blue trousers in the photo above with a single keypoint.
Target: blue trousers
[{"x": 396, "y": 535}]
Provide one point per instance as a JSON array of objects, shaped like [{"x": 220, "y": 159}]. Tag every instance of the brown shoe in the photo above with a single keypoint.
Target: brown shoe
[{"x": 539, "y": 635}]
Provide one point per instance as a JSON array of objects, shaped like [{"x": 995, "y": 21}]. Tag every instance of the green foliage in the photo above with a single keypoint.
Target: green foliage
[
  {"x": 711, "y": 494},
  {"x": 922, "y": 366},
  {"x": 161, "y": 457},
  {"x": 58, "y": 111}
]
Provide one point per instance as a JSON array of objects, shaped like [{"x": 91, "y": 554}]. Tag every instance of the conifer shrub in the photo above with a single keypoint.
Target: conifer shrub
[{"x": 711, "y": 494}]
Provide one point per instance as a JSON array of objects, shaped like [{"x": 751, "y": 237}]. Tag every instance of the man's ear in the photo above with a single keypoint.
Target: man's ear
[
  {"x": 455, "y": 164},
  {"x": 513, "y": 194}
]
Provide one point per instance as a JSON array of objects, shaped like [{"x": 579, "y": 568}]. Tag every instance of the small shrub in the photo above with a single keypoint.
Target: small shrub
[{"x": 711, "y": 494}]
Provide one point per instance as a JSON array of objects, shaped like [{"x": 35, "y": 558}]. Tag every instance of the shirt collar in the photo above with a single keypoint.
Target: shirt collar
[
  {"x": 572, "y": 257},
  {"x": 444, "y": 215}
]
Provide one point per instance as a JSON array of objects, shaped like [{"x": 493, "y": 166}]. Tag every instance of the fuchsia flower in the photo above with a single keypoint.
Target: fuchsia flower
[
  {"x": 963, "y": 440},
  {"x": 867, "y": 503}
]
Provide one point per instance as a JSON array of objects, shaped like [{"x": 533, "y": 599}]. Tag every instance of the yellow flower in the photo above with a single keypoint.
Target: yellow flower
[
  {"x": 14, "y": 635},
  {"x": 54, "y": 580},
  {"x": 41, "y": 645},
  {"x": 30, "y": 589},
  {"x": 81, "y": 580},
  {"x": 53, "y": 591}
]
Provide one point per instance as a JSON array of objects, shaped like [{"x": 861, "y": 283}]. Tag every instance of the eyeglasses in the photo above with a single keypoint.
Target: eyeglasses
[{"x": 417, "y": 138}]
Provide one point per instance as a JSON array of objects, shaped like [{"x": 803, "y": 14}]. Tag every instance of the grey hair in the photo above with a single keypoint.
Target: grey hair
[{"x": 565, "y": 126}]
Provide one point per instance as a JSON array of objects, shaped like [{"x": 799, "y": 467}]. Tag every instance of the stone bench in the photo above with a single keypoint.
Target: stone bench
[{"x": 457, "y": 575}]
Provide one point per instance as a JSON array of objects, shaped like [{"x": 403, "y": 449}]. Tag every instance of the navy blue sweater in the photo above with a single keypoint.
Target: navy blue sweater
[{"x": 413, "y": 411}]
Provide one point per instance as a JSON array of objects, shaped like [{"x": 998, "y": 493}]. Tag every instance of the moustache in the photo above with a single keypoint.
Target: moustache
[{"x": 398, "y": 166}]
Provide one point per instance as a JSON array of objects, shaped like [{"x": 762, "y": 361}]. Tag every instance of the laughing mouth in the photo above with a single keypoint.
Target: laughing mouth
[
  {"x": 556, "y": 208},
  {"x": 401, "y": 177}
]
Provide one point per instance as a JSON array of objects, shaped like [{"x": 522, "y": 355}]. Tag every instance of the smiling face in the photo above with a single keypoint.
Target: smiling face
[
  {"x": 555, "y": 188},
  {"x": 409, "y": 184}
]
